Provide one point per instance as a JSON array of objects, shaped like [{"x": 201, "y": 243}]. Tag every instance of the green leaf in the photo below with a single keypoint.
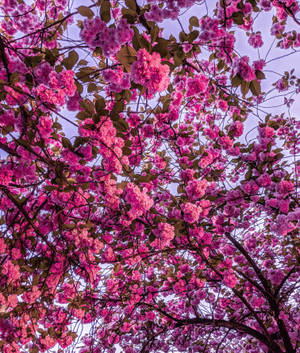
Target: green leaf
[
  {"x": 32, "y": 61},
  {"x": 85, "y": 11},
  {"x": 34, "y": 349},
  {"x": 245, "y": 87},
  {"x": 194, "y": 21},
  {"x": 119, "y": 107},
  {"x": 80, "y": 141},
  {"x": 221, "y": 64},
  {"x": 100, "y": 104},
  {"x": 51, "y": 56},
  {"x": 127, "y": 95},
  {"x": 92, "y": 87},
  {"x": 183, "y": 36},
  {"x": 105, "y": 11},
  {"x": 71, "y": 60},
  {"x": 126, "y": 56},
  {"x": 69, "y": 226},
  {"x": 121, "y": 125},
  {"x": 66, "y": 143},
  {"x": 260, "y": 75},
  {"x": 154, "y": 33},
  {"x": 126, "y": 151},
  {"x": 192, "y": 36},
  {"x": 131, "y": 4},
  {"x": 236, "y": 81},
  {"x": 87, "y": 105},
  {"x": 248, "y": 175},
  {"x": 255, "y": 88},
  {"x": 29, "y": 80},
  {"x": 162, "y": 47},
  {"x": 238, "y": 18},
  {"x": 50, "y": 187},
  {"x": 82, "y": 63},
  {"x": 151, "y": 237}
]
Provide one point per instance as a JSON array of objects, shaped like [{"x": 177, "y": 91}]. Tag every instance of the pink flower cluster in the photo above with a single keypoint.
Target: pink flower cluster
[
  {"x": 255, "y": 40},
  {"x": 117, "y": 80},
  {"x": 196, "y": 85},
  {"x": 171, "y": 9},
  {"x": 148, "y": 71},
  {"x": 196, "y": 189},
  {"x": 31, "y": 296},
  {"x": 259, "y": 64},
  {"x": 103, "y": 134},
  {"x": 11, "y": 271},
  {"x": 282, "y": 85},
  {"x": 110, "y": 191},
  {"x": 229, "y": 279},
  {"x": 266, "y": 5},
  {"x": 282, "y": 225},
  {"x": 17, "y": 96},
  {"x": 42, "y": 72},
  {"x": 242, "y": 68},
  {"x": 96, "y": 33},
  {"x": 139, "y": 201},
  {"x": 236, "y": 128},
  {"x": 164, "y": 235},
  {"x": 209, "y": 29},
  {"x": 277, "y": 29},
  {"x": 285, "y": 187},
  {"x": 206, "y": 160},
  {"x": 59, "y": 86},
  {"x": 45, "y": 126},
  {"x": 191, "y": 212},
  {"x": 215, "y": 37}
]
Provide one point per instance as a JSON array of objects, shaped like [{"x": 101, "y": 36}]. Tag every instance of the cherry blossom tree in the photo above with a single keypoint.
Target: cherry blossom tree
[{"x": 148, "y": 184}]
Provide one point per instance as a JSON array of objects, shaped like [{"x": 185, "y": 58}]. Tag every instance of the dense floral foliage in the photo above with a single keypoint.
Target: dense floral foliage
[{"x": 148, "y": 190}]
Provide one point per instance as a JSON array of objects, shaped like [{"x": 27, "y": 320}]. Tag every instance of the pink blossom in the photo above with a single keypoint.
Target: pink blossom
[
  {"x": 47, "y": 95},
  {"x": 255, "y": 40},
  {"x": 237, "y": 128},
  {"x": 164, "y": 235},
  {"x": 264, "y": 180},
  {"x": 266, "y": 5},
  {"x": 118, "y": 80},
  {"x": 205, "y": 160},
  {"x": 285, "y": 187},
  {"x": 148, "y": 71},
  {"x": 196, "y": 188},
  {"x": 284, "y": 205},
  {"x": 11, "y": 271},
  {"x": 45, "y": 126},
  {"x": 31, "y": 296},
  {"x": 277, "y": 29},
  {"x": 2, "y": 246},
  {"x": 96, "y": 34},
  {"x": 242, "y": 68},
  {"x": 47, "y": 342},
  {"x": 139, "y": 201},
  {"x": 67, "y": 80},
  {"x": 191, "y": 212},
  {"x": 259, "y": 64},
  {"x": 250, "y": 187},
  {"x": 73, "y": 102},
  {"x": 197, "y": 85},
  {"x": 247, "y": 9},
  {"x": 282, "y": 85},
  {"x": 229, "y": 279},
  {"x": 225, "y": 141}
]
